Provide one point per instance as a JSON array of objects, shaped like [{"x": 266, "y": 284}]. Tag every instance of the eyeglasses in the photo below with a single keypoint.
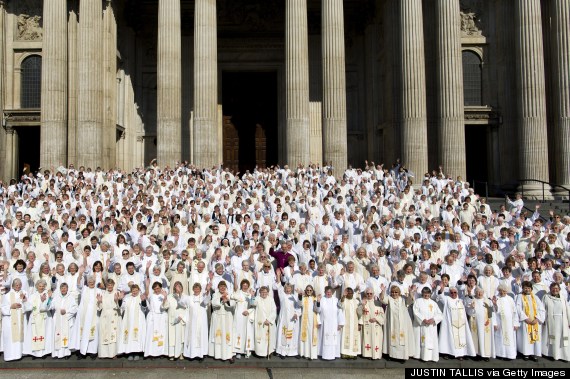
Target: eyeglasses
[{"x": 369, "y": 293}]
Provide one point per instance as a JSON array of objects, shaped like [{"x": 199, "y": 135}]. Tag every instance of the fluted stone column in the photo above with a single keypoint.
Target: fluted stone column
[
  {"x": 297, "y": 82},
  {"x": 205, "y": 84},
  {"x": 90, "y": 96},
  {"x": 3, "y": 134},
  {"x": 334, "y": 86},
  {"x": 110, "y": 84},
  {"x": 560, "y": 12},
  {"x": 169, "y": 80},
  {"x": 451, "y": 123},
  {"x": 533, "y": 153},
  {"x": 413, "y": 85},
  {"x": 53, "y": 140}
]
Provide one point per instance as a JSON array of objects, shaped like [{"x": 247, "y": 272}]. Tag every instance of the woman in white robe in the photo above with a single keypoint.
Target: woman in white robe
[
  {"x": 86, "y": 326},
  {"x": 109, "y": 320},
  {"x": 427, "y": 316},
  {"x": 531, "y": 316},
  {"x": 556, "y": 329},
  {"x": 242, "y": 327},
  {"x": 177, "y": 319},
  {"x": 38, "y": 332},
  {"x": 14, "y": 305},
  {"x": 288, "y": 323},
  {"x": 196, "y": 333},
  {"x": 482, "y": 323},
  {"x": 264, "y": 320},
  {"x": 507, "y": 324},
  {"x": 454, "y": 334},
  {"x": 156, "y": 339},
  {"x": 309, "y": 325},
  {"x": 399, "y": 343},
  {"x": 372, "y": 321},
  {"x": 221, "y": 345},
  {"x": 133, "y": 324},
  {"x": 332, "y": 321},
  {"x": 64, "y": 309}
]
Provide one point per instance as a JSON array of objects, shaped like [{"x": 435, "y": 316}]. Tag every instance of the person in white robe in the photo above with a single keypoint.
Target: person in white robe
[
  {"x": 332, "y": 322},
  {"x": 455, "y": 338},
  {"x": 507, "y": 323},
  {"x": 156, "y": 342},
  {"x": 372, "y": 321},
  {"x": 264, "y": 323},
  {"x": 242, "y": 327},
  {"x": 288, "y": 323},
  {"x": 15, "y": 303},
  {"x": 38, "y": 332},
  {"x": 133, "y": 324},
  {"x": 351, "y": 344},
  {"x": 64, "y": 308},
  {"x": 221, "y": 337},
  {"x": 86, "y": 327},
  {"x": 196, "y": 333},
  {"x": 556, "y": 329},
  {"x": 177, "y": 319},
  {"x": 427, "y": 316},
  {"x": 109, "y": 320},
  {"x": 399, "y": 342},
  {"x": 482, "y": 324},
  {"x": 309, "y": 324},
  {"x": 531, "y": 316}
]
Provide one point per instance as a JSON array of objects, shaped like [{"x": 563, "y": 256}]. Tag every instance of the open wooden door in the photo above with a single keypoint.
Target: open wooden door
[
  {"x": 260, "y": 147},
  {"x": 231, "y": 144}
]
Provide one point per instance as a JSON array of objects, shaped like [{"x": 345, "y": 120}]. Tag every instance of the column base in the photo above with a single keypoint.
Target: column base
[
  {"x": 535, "y": 191},
  {"x": 560, "y": 193}
]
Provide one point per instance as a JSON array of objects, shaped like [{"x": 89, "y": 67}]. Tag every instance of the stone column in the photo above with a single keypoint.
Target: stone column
[
  {"x": 297, "y": 83},
  {"x": 205, "y": 84},
  {"x": 90, "y": 96},
  {"x": 413, "y": 86},
  {"x": 110, "y": 84},
  {"x": 11, "y": 154},
  {"x": 560, "y": 12},
  {"x": 169, "y": 81},
  {"x": 3, "y": 136},
  {"x": 334, "y": 86},
  {"x": 53, "y": 135},
  {"x": 72, "y": 80},
  {"x": 533, "y": 153},
  {"x": 451, "y": 123}
]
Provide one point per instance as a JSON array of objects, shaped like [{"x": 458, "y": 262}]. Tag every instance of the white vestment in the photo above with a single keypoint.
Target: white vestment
[
  {"x": 63, "y": 324},
  {"x": 505, "y": 336},
  {"x": 288, "y": 326},
  {"x": 196, "y": 333},
  {"x": 350, "y": 337},
  {"x": 109, "y": 324},
  {"x": 242, "y": 327},
  {"x": 329, "y": 336},
  {"x": 372, "y": 321},
  {"x": 556, "y": 330},
  {"x": 399, "y": 342},
  {"x": 221, "y": 338},
  {"x": 86, "y": 326},
  {"x": 309, "y": 328},
  {"x": 156, "y": 343},
  {"x": 454, "y": 334},
  {"x": 528, "y": 337},
  {"x": 133, "y": 326},
  {"x": 265, "y": 310},
  {"x": 427, "y": 346},
  {"x": 13, "y": 325},
  {"x": 38, "y": 332},
  {"x": 482, "y": 325}
]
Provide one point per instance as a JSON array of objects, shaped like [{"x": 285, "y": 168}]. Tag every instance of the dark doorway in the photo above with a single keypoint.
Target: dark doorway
[
  {"x": 28, "y": 149},
  {"x": 476, "y": 153},
  {"x": 249, "y": 101}
]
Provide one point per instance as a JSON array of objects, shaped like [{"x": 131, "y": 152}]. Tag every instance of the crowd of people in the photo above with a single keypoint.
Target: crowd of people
[{"x": 186, "y": 263}]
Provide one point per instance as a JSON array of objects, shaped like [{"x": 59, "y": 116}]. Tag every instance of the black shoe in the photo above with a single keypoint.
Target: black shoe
[
  {"x": 525, "y": 358},
  {"x": 80, "y": 357},
  {"x": 535, "y": 358},
  {"x": 232, "y": 361},
  {"x": 486, "y": 359}
]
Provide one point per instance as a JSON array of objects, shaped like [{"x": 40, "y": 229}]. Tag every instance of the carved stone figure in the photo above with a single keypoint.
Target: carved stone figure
[
  {"x": 469, "y": 21},
  {"x": 29, "y": 28}
]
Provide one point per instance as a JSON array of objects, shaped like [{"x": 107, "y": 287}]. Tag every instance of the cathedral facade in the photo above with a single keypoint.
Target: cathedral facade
[{"x": 478, "y": 87}]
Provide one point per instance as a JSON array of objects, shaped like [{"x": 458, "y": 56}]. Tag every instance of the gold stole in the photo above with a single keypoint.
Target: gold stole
[
  {"x": 398, "y": 337},
  {"x": 531, "y": 312},
  {"x": 305, "y": 322},
  {"x": 505, "y": 332},
  {"x": 17, "y": 320},
  {"x": 92, "y": 327},
  {"x": 38, "y": 320},
  {"x": 458, "y": 324}
]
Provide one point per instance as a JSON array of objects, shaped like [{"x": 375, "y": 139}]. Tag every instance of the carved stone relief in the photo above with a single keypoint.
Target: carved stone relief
[
  {"x": 29, "y": 20},
  {"x": 471, "y": 18}
]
